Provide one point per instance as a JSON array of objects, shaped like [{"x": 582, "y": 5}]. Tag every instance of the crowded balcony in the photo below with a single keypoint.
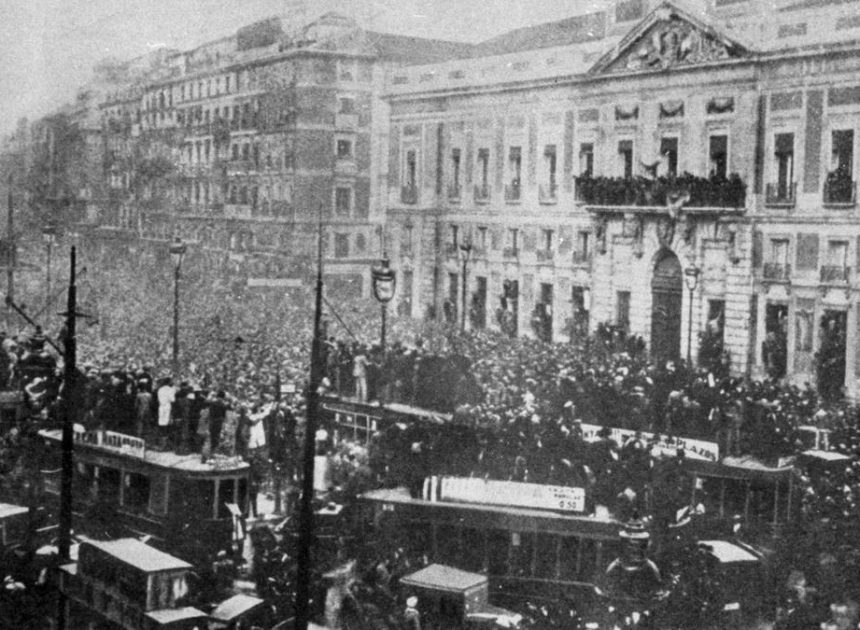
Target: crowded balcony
[
  {"x": 781, "y": 195},
  {"x": 779, "y": 272},
  {"x": 700, "y": 192},
  {"x": 548, "y": 193},
  {"x": 835, "y": 274},
  {"x": 840, "y": 191},
  {"x": 409, "y": 194}
]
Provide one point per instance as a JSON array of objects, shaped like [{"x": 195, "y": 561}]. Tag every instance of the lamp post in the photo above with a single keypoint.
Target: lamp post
[
  {"x": 691, "y": 277},
  {"x": 177, "y": 252},
  {"x": 49, "y": 234},
  {"x": 466, "y": 249},
  {"x": 384, "y": 282}
]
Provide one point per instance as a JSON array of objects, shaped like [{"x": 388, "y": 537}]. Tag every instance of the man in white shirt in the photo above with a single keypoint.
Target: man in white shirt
[{"x": 166, "y": 395}]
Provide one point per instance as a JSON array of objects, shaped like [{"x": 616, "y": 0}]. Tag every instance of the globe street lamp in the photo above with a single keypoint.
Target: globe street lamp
[
  {"x": 691, "y": 277},
  {"x": 49, "y": 235},
  {"x": 384, "y": 282},
  {"x": 466, "y": 249},
  {"x": 177, "y": 252}
]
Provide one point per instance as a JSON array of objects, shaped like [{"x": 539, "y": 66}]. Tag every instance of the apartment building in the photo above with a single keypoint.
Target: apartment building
[{"x": 673, "y": 170}]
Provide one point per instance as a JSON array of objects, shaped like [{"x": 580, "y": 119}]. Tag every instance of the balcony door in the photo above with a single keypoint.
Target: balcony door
[{"x": 667, "y": 287}]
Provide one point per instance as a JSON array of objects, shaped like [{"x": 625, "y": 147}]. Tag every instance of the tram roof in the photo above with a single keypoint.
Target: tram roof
[
  {"x": 444, "y": 577},
  {"x": 189, "y": 462},
  {"x": 503, "y": 517},
  {"x": 172, "y": 615},
  {"x": 727, "y": 552},
  {"x": 7, "y": 510},
  {"x": 745, "y": 467},
  {"x": 235, "y": 606},
  {"x": 353, "y": 405},
  {"x": 139, "y": 555}
]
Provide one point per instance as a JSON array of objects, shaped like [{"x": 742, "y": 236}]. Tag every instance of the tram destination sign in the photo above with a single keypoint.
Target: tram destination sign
[
  {"x": 505, "y": 493},
  {"x": 666, "y": 445},
  {"x": 112, "y": 440}
]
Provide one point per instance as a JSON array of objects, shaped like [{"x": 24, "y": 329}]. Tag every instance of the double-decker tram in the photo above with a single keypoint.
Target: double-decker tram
[{"x": 189, "y": 507}]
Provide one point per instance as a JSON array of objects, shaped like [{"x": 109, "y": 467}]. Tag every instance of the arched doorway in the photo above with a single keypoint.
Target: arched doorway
[{"x": 666, "y": 299}]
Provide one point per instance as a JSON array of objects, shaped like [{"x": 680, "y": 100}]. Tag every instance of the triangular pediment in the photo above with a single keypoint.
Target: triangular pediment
[{"x": 667, "y": 38}]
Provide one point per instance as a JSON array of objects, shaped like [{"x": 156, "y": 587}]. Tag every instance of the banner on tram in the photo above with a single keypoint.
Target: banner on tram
[
  {"x": 505, "y": 493},
  {"x": 663, "y": 444}
]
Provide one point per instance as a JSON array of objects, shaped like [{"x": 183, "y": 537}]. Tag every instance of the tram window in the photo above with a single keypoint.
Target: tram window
[
  {"x": 448, "y": 544},
  {"x": 709, "y": 495},
  {"x": 522, "y": 547},
  {"x": 762, "y": 496},
  {"x": 109, "y": 480},
  {"x": 546, "y": 551},
  {"x": 84, "y": 481},
  {"x": 417, "y": 540},
  {"x": 735, "y": 497},
  {"x": 202, "y": 498},
  {"x": 473, "y": 549},
  {"x": 588, "y": 562},
  {"x": 226, "y": 494},
  {"x": 568, "y": 558},
  {"x": 136, "y": 493},
  {"x": 498, "y": 542},
  {"x": 242, "y": 492}
]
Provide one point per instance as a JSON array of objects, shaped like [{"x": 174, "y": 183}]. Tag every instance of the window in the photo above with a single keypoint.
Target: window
[
  {"x": 342, "y": 200},
  {"x": 341, "y": 245},
  {"x": 411, "y": 169},
  {"x": 586, "y": 159},
  {"x": 784, "y": 158},
  {"x": 550, "y": 164},
  {"x": 622, "y": 310},
  {"x": 346, "y": 106},
  {"x": 513, "y": 239},
  {"x": 482, "y": 238},
  {"x": 227, "y": 84},
  {"x": 455, "y": 173},
  {"x": 136, "y": 492},
  {"x": 837, "y": 253},
  {"x": 547, "y": 239},
  {"x": 842, "y": 152},
  {"x": 669, "y": 152},
  {"x": 483, "y": 172},
  {"x": 718, "y": 152},
  {"x": 776, "y": 267},
  {"x": 582, "y": 252},
  {"x": 453, "y": 235},
  {"x": 344, "y": 149},
  {"x": 625, "y": 158},
  {"x": 515, "y": 165}
]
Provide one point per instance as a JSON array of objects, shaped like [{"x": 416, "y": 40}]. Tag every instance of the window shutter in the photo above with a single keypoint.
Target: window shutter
[
  {"x": 807, "y": 251},
  {"x": 757, "y": 250}
]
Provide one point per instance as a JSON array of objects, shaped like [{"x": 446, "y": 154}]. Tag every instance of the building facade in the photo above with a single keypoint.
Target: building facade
[{"x": 686, "y": 175}]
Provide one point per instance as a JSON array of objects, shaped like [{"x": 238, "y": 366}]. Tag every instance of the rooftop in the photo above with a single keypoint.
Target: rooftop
[
  {"x": 139, "y": 555},
  {"x": 443, "y": 577}
]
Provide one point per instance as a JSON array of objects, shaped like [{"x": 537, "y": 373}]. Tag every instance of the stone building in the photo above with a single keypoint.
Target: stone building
[
  {"x": 675, "y": 171},
  {"x": 243, "y": 145}
]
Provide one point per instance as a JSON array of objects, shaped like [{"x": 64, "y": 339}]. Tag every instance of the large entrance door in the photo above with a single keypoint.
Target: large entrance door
[{"x": 666, "y": 294}]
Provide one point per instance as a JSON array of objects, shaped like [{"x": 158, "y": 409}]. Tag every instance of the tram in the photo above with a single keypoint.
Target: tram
[{"x": 189, "y": 507}]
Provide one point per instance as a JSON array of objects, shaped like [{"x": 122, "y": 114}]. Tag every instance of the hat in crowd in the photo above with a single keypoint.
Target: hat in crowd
[{"x": 412, "y": 602}]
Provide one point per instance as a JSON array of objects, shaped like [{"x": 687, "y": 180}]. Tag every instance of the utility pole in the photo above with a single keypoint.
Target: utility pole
[
  {"x": 10, "y": 261},
  {"x": 306, "y": 513},
  {"x": 68, "y": 410}
]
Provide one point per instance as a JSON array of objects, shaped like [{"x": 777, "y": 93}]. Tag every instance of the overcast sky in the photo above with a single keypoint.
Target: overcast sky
[{"x": 47, "y": 47}]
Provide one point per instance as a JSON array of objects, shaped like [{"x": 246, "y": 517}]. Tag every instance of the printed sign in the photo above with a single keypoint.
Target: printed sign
[
  {"x": 112, "y": 440},
  {"x": 507, "y": 493},
  {"x": 664, "y": 445}
]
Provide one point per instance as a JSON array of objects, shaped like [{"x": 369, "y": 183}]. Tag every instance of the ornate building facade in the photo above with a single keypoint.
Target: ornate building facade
[{"x": 687, "y": 175}]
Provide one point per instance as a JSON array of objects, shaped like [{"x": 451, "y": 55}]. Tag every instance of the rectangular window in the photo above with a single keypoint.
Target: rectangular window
[
  {"x": 718, "y": 153},
  {"x": 411, "y": 169},
  {"x": 482, "y": 189},
  {"x": 783, "y": 149},
  {"x": 625, "y": 158},
  {"x": 482, "y": 238},
  {"x": 453, "y": 235},
  {"x": 515, "y": 166},
  {"x": 455, "y": 172},
  {"x": 622, "y": 310},
  {"x": 842, "y": 153},
  {"x": 341, "y": 245},
  {"x": 513, "y": 239},
  {"x": 342, "y": 200},
  {"x": 547, "y": 238},
  {"x": 582, "y": 252},
  {"x": 550, "y": 163},
  {"x": 586, "y": 159},
  {"x": 669, "y": 152},
  {"x": 779, "y": 251},
  {"x": 344, "y": 149},
  {"x": 837, "y": 253},
  {"x": 346, "y": 106}
]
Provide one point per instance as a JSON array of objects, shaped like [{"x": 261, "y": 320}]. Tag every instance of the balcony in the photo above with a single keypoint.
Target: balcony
[
  {"x": 548, "y": 193},
  {"x": 701, "y": 192},
  {"x": 454, "y": 192},
  {"x": 512, "y": 191},
  {"x": 510, "y": 252},
  {"x": 835, "y": 274},
  {"x": 482, "y": 193},
  {"x": 544, "y": 255},
  {"x": 780, "y": 195},
  {"x": 581, "y": 259},
  {"x": 840, "y": 192},
  {"x": 779, "y": 272},
  {"x": 409, "y": 194}
]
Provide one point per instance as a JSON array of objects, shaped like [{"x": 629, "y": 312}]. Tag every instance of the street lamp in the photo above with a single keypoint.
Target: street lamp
[
  {"x": 691, "y": 277},
  {"x": 466, "y": 249},
  {"x": 384, "y": 282},
  {"x": 49, "y": 235},
  {"x": 177, "y": 252}
]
